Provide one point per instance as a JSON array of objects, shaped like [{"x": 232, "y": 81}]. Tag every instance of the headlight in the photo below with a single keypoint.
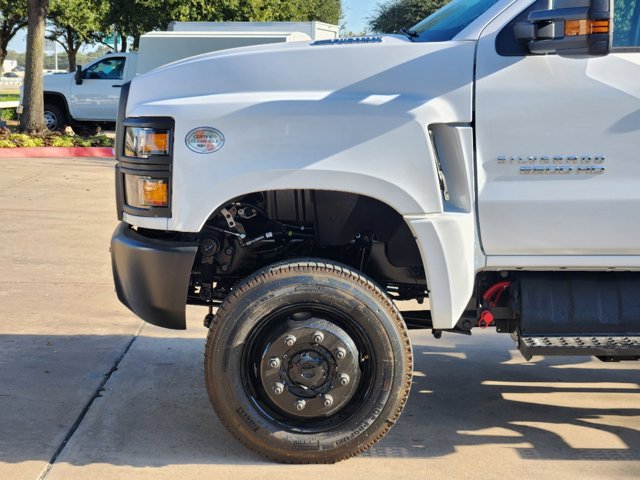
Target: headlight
[
  {"x": 144, "y": 148},
  {"x": 145, "y": 192},
  {"x": 144, "y": 142}
]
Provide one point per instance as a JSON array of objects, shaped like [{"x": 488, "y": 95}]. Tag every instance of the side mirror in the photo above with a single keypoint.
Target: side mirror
[
  {"x": 572, "y": 31},
  {"x": 78, "y": 75}
]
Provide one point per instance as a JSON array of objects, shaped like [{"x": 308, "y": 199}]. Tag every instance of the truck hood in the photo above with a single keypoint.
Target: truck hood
[
  {"x": 385, "y": 65},
  {"x": 57, "y": 81}
]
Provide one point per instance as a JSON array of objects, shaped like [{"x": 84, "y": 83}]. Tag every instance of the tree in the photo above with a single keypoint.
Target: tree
[
  {"x": 13, "y": 17},
  {"x": 390, "y": 17},
  {"x": 132, "y": 18},
  {"x": 328, "y": 11},
  {"x": 32, "y": 119},
  {"x": 74, "y": 23}
]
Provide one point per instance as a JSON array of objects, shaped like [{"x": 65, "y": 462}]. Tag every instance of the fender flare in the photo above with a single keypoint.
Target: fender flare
[
  {"x": 63, "y": 100},
  {"x": 447, "y": 244}
]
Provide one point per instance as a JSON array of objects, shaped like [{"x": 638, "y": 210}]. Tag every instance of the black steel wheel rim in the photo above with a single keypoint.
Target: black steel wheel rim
[{"x": 276, "y": 326}]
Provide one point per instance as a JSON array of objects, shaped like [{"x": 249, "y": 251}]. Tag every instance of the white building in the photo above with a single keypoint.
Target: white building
[{"x": 9, "y": 65}]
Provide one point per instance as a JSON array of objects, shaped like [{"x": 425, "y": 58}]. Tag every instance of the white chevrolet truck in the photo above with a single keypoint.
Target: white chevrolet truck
[{"x": 484, "y": 164}]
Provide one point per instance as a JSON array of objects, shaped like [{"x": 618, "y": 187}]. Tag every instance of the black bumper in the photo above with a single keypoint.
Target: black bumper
[{"x": 152, "y": 276}]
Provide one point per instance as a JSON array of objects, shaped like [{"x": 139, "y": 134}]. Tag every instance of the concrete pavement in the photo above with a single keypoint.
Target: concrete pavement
[{"x": 88, "y": 391}]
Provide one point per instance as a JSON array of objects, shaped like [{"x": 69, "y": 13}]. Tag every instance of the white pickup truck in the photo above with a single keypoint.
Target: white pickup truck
[
  {"x": 89, "y": 97},
  {"x": 484, "y": 164}
]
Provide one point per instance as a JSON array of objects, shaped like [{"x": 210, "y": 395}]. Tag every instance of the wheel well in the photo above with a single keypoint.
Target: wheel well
[
  {"x": 59, "y": 101},
  {"x": 261, "y": 228}
]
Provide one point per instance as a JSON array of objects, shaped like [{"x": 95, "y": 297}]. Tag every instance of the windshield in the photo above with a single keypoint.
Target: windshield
[{"x": 451, "y": 19}]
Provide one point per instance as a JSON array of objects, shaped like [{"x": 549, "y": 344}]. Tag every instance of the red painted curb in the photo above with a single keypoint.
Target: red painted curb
[{"x": 56, "y": 152}]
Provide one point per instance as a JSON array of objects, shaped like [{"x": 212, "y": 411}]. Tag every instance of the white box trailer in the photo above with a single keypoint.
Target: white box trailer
[
  {"x": 315, "y": 30},
  {"x": 161, "y": 48}
]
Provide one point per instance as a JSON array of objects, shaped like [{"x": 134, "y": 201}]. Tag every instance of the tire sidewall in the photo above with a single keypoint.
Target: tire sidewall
[
  {"x": 375, "y": 415},
  {"x": 56, "y": 113}
]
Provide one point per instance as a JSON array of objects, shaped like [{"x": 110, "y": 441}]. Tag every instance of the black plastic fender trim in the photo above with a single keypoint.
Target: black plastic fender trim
[{"x": 151, "y": 276}]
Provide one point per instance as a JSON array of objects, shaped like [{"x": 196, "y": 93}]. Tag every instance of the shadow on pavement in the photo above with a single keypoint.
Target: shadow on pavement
[{"x": 154, "y": 410}]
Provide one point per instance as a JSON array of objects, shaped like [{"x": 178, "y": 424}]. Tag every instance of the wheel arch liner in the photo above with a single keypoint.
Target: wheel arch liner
[{"x": 152, "y": 276}]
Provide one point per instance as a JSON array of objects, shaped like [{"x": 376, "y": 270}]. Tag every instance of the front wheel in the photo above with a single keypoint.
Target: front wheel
[
  {"x": 54, "y": 118},
  {"x": 86, "y": 129},
  {"x": 308, "y": 362}
]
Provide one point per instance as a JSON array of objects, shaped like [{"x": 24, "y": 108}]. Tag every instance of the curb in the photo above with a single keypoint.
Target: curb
[{"x": 56, "y": 152}]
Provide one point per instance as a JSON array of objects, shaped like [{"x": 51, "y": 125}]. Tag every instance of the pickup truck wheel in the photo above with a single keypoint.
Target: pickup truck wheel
[
  {"x": 308, "y": 362},
  {"x": 86, "y": 129},
  {"x": 54, "y": 119}
]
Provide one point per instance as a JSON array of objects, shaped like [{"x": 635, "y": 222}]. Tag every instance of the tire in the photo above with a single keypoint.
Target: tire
[
  {"x": 86, "y": 129},
  {"x": 308, "y": 362},
  {"x": 54, "y": 119}
]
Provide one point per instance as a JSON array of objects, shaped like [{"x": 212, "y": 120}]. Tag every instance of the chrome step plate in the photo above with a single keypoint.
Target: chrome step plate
[{"x": 606, "y": 346}]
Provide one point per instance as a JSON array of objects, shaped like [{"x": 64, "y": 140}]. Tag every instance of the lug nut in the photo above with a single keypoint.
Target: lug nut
[
  {"x": 327, "y": 401},
  {"x": 300, "y": 404},
  {"x": 290, "y": 340},
  {"x": 318, "y": 337},
  {"x": 341, "y": 353},
  {"x": 274, "y": 362},
  {"x": 278, "y": 388},
  {"x": 344, "y": 379}
]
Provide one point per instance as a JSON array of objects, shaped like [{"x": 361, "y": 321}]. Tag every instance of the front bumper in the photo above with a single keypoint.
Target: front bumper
[{"x": 152, "y": 276}]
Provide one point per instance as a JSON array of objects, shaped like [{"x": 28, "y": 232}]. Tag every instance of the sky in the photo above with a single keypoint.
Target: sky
[{"x": 356, "y": 13}]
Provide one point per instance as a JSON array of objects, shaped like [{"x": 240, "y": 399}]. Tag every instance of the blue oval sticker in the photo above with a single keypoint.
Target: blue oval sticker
[{"x": 204, "y": 140}]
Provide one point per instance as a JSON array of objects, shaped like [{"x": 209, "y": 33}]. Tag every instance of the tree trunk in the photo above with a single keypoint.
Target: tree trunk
[
  {"x": 71, "y": 51},
  {"x": 32, "y": 119},
  {"x": 4, "y": 43},
  {"x": 3, "y": 55},
  {"x": 123, "y": 43}
]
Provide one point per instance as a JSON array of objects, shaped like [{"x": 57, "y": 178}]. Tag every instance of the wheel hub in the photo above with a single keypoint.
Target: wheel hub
[
  {"x": 310, "y": 367},
  {"x": 50, "y": 120}
]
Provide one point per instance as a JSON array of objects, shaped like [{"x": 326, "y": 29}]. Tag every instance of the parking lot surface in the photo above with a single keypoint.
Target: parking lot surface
[{"x": 87, "y": 391}]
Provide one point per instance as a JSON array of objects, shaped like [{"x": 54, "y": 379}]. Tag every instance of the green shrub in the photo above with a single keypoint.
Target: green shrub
[
  {"x": 82, "y": 142},
  {"x": 102, "y": 141},
  {"x": 60, "y": 141},
  {"x": 52, "y": 139},
  {"x": 24, "y": 140},
  {"x": 8, "y": 113}
]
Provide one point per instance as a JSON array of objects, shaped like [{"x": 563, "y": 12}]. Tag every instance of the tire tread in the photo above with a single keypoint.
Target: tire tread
[{"x": 307, "y": 266}]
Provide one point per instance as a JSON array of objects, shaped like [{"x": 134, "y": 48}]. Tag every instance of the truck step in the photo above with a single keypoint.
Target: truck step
[{"x": 607, "y": 347}]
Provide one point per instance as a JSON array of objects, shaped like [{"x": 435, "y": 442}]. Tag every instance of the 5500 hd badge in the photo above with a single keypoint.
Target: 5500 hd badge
[{"x": 556, "y": 164}]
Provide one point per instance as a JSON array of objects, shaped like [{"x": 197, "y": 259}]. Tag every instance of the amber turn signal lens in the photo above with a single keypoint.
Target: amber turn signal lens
[
  {"x": 158, "y": 142},
  {"x": 145, "y": 192},
  {"x": 585, "y": 27},
  {"x": 154, "y": 192}
]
